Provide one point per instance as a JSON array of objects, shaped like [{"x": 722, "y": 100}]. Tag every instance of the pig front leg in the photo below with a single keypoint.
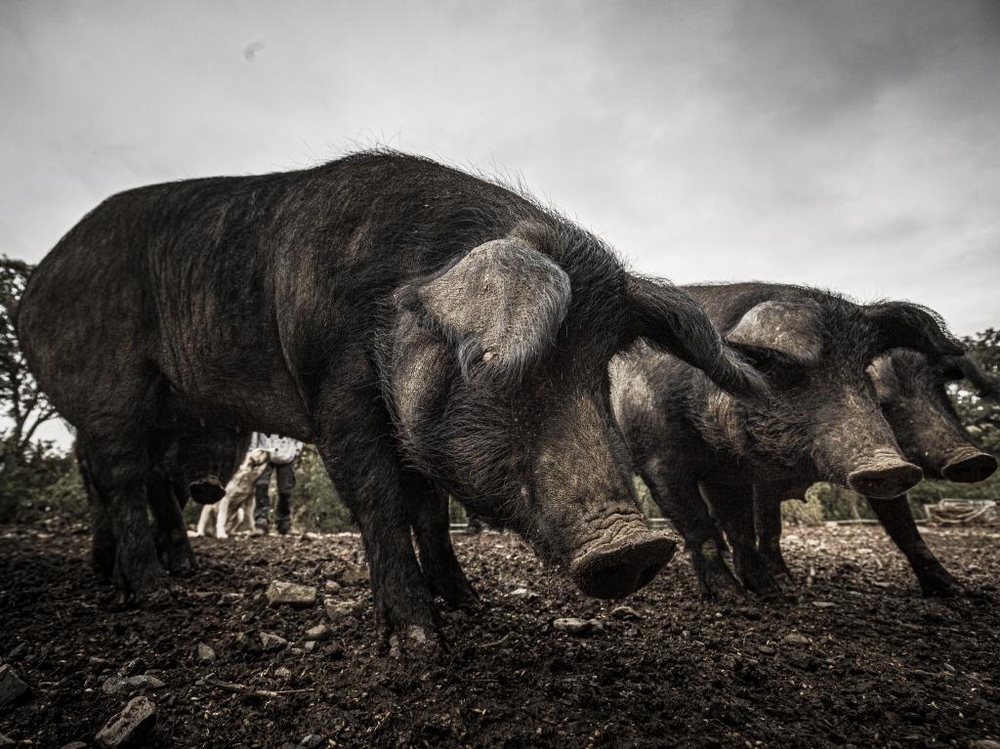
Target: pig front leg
[
  {"x": 366, "y": 474},
  {"x": 443, "y": 573},
  {"x": 896, "y": 517},
  {"x": 169, "y": 531},
  {"x": 733, "y": 506},
  {"x": 767, "y": 525},
  {"x": 678, "y": 498}
]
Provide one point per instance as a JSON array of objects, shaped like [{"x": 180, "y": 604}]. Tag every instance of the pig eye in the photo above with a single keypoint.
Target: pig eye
[{"x": 781, "y": 370}]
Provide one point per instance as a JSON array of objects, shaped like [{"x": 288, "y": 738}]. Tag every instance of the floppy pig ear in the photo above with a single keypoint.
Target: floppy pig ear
[
  {"x": 905, "y": 325},
  {"x": 784, "y": 327},
  {"x": 499, "y": 306},
  {"x": 670, "y": 319},
  {"x": 883, "y": 377}
]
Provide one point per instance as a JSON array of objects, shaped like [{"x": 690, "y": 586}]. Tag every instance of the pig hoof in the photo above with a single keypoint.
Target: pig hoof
[
  {"x": 415, "y": 641},
  {"x": 941, "y": 588}
]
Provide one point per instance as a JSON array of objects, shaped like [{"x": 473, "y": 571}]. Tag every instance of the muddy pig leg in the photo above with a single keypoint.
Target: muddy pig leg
[
  {"x": 897, "y": 519},
  {"x": 682, "y": 505},
  {"x": 733, "y": 506},
  {"x": 169, "y": 530},
  {"x": 443, "y": 573},
  {"x": 767, "y": 524}
]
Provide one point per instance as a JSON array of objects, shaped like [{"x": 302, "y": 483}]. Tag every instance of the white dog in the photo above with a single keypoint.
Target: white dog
[{"x": 238, "y": 501}]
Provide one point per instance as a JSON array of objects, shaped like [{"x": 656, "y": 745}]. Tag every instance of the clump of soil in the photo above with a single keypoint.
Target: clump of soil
[{"x": 855, "y": 656}]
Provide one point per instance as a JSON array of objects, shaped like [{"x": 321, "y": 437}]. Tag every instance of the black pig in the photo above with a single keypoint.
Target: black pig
[
  {"x": 913, "y": 396},
  {"x": 690, "y": 442},
  {"x": 429, "y": 331}
]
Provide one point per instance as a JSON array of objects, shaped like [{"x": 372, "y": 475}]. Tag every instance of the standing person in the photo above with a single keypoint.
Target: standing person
[{"x": 283, "y": 451}]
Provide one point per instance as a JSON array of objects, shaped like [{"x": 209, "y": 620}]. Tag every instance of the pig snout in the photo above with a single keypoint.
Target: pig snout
[
  {"x": 968, "y": 466},
  {"x": 207, "y": 490},
  {"x": 884, "y": 476},
  {"x": 621, "y": 559}
]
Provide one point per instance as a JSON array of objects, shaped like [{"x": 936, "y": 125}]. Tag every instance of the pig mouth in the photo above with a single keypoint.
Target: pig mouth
[
  {"x": 615, "y": 570},
  {"x": 969, "y": 466}
]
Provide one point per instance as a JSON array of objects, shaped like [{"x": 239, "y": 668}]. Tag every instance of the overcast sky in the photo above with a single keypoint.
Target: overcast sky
[{"x": 852, "y": 145}]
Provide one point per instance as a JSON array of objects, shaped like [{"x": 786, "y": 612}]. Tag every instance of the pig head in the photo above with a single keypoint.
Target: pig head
[
  {"x": 496, "y": 373},
  {"x": 824, "y": 415},
  {"x": 912, "y": 391}
]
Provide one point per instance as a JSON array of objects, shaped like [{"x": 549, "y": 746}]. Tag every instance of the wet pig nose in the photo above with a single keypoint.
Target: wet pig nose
[
  {"x": 885, "y": 479},
  {"x": 617, "y": 571},
  {"x": 969, "y": 466}
]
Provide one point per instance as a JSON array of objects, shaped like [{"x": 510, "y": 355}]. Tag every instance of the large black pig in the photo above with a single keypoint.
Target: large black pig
[
  {"x": 697, "y": 448},
  {"x": 429, "y": 331},
  {"x": 913, "y": 396}
]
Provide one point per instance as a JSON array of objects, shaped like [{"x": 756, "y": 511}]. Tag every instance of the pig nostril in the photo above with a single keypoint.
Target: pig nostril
[{"x": 971, "y": 469}]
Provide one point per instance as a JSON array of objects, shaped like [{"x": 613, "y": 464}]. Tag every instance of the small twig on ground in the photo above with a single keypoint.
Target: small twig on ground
[{"x": 244, "y": 689}]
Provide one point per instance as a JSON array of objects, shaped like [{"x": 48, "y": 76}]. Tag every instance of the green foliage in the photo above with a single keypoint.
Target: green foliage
[
  {"x": 45, "y": 485},
  {"x": 981, "y": 416},
  {"x": 808, "y": 512},
  {"x": 315, "y": 503}
]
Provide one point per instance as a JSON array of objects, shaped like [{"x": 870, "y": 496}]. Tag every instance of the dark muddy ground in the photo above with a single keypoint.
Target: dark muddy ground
[{"x": 858, "y": 657}]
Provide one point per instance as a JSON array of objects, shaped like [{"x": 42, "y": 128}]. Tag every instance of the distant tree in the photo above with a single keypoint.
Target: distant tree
[{"x": 24, "y": 406}]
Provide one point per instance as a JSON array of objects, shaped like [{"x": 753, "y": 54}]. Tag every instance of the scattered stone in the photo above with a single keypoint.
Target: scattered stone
[
  {"x": 625, "y": 612},
  {"x": 766, "y": 650},
  {"x": 203, "y": 653},
  {"x": 95, "y": 661},
  {"x": 11, "y": 686},
  {"x": 134, "y": 666},
  {"x": 246, "y": 642},
  {"x": 228, "y": 599},
  {"x": 75, "y": 745},
  {"x": 319, "y": 632},
  {"x": 290, "y": 594},
  {"x": 130, "y": 727},
  {"x": 283, "y": 673},
  {"x": 824, "y": 604},
  {"x": 796, "y": 639},
  {"x": 272, "y": 643},
  {"x": 6, "y": 740},
  {"x": 579, "y": 627},
  {"x": 310, "y": 646},
  {"x": 116, "y": 684},
  {"x": 353, "y": 574},
  {"x": 337, "y": 610},
  {"x": 311, "y": 741},
  {"x": 332, "y": 586}
]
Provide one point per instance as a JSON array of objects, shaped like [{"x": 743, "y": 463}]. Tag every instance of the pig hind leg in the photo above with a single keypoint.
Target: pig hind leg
[
  {"x": 733, "y": 506},
  {"x": 767, "y": 525},
  {"x": 681, "y": 504},
  {"x": 896, "y": 517},
  {"x": 103, "y": 536},
  {"x": 442, "y": 571},
  {"x": 169, "y": 530}
]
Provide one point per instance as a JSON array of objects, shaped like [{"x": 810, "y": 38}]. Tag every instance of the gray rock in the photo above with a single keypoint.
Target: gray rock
[
  {"x": 625, "y": 612},
  {"x": 283, "y": 673},
  {"x": 246, "y": 642},
  {"x": 116, "y": 684},
  {"x": 310, "y": 646},
  {"x": 824, "y": 604},
  {"x": 290, "y": 594},
  {"x": 75, "y": 745},
  {"x": 319, "y": 632},
  {"x": 795, "y": 638},
  {"x": 579, "y": 627},
  {"x": 311, "y": 741},
  {"x": 6, "y": 740},
  {"x": 332, "y": 586},
  {"x": 203, "y": 653},
  {"x": 353, "y": 574},
  {"x": 11, "y": 686},
  {"x": 272, "y": 643},
  {"x": 337, "y": 610},
  {"x": 130, "y": 727}
]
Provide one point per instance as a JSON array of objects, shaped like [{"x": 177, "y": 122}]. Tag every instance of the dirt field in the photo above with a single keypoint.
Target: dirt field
[{"x": 856, "y": 657}]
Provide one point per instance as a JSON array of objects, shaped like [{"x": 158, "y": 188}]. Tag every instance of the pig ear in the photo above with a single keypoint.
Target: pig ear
[
  {"x": 986, "y": 385},
  {"x": 670, "y": 319},
  {"x": 500, "y": 307},
  {"x": 783, "y": 327},
  {"x": 905, "y": 325},
  {"x": 883, "y": 377}
]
